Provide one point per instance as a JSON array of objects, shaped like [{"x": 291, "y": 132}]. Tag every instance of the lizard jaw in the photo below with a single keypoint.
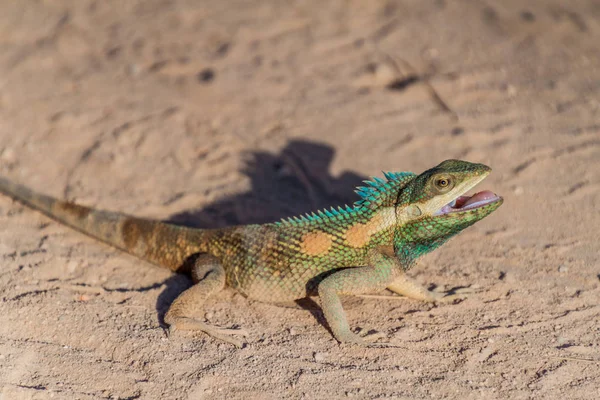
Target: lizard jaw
[{"x": 468, "y": 203}]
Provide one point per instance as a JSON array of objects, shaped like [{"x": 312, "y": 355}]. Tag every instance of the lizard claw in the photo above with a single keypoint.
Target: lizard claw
[
  {"x": 367, "y": 343},
  {"x": 451, "y": 295},
  {"x": 224, "y": 334},
  {"x": 365, "y": 340}
]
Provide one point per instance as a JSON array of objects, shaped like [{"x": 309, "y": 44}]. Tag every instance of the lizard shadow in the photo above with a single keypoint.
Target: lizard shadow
[{"x": 295, "y": 181}]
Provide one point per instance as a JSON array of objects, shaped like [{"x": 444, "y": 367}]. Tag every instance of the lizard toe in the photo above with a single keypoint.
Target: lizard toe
[{"x": 223, "y": 334}]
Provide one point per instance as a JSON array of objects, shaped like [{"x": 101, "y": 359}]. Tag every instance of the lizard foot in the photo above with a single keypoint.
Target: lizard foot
[
  {"x": 408, "y": 287},
  {"x": 370, "y": 340},
  {"x": 224, "y": 334},
  {"x": 454, "y": 294},
  {"x": 366, "y": 340},
  {"x": 430, "y": 296}
]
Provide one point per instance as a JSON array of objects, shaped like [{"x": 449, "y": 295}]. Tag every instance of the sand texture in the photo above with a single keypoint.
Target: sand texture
[{"x": 227, "y": 112}]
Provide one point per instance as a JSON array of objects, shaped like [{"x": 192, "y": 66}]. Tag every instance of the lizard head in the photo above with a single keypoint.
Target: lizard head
[{"x": 433, "y": 206}]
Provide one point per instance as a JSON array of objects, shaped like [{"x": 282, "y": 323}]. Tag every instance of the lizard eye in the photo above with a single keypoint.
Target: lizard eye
[{"x": 444, "y": 183}]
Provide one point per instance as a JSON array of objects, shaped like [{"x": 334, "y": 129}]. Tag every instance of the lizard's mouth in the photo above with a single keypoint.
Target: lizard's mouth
[{"x": 467, "y": 203}]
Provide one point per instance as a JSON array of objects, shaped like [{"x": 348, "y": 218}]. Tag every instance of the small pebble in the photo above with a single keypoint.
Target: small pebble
[
  {"x": 319, "y": 357},
  {"x": 563, "y": 268},
  {"x": 384, "y": 74},
  {"x": 562, "y": 340},
  {"x": 133, "y": 70},
  {"x": 9, "y": 156}
]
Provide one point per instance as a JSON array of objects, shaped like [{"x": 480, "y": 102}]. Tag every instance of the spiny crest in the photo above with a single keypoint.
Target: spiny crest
[
  {"x": 341, "y": 213},
  {"x": 380, "y": 192}
]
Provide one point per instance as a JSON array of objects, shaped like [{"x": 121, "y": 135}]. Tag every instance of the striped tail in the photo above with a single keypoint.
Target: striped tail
[{"x": 161, "y": 243}]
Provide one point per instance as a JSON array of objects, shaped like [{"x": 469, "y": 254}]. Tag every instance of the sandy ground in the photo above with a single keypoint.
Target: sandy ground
[{"x": 218, "y": 113}]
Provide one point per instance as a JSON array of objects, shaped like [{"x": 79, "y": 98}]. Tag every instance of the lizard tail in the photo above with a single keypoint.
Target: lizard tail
[{"x": 161, "y": 243}]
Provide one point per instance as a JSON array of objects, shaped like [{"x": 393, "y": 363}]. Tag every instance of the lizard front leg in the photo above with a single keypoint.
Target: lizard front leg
[
  {"x": 378, "y": 275},
  {"x": 209, "y": 278}
]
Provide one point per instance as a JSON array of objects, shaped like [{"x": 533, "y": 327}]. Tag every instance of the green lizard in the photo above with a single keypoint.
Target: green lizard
[{"x": 352, "y": 250}]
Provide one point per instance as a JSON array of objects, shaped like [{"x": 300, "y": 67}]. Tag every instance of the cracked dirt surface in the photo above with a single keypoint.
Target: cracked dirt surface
[{"x": 217, "y": 113}]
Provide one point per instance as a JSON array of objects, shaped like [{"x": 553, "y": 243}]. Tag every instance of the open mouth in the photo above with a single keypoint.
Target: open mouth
[{"x": 466, "y": 203}]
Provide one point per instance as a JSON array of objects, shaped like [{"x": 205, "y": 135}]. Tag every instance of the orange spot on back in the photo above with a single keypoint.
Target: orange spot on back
[
  {"x": 315, "y": 243},
  {"x": 359, "y": 235}
]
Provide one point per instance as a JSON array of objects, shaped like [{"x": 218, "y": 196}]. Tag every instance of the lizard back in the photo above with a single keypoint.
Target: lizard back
[{"x": 287, "y": 260}]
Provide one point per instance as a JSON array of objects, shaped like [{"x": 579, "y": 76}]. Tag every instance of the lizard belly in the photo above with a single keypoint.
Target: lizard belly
[
  {"x": 268, "y": 283},
  {"x": 264, "y": 266}
]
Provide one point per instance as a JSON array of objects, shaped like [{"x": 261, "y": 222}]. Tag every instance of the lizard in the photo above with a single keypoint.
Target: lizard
[{"x": 349, "y": 250}]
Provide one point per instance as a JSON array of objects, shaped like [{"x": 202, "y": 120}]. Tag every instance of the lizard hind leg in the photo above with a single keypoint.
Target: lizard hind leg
[{"x": 209, "y": 278}]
